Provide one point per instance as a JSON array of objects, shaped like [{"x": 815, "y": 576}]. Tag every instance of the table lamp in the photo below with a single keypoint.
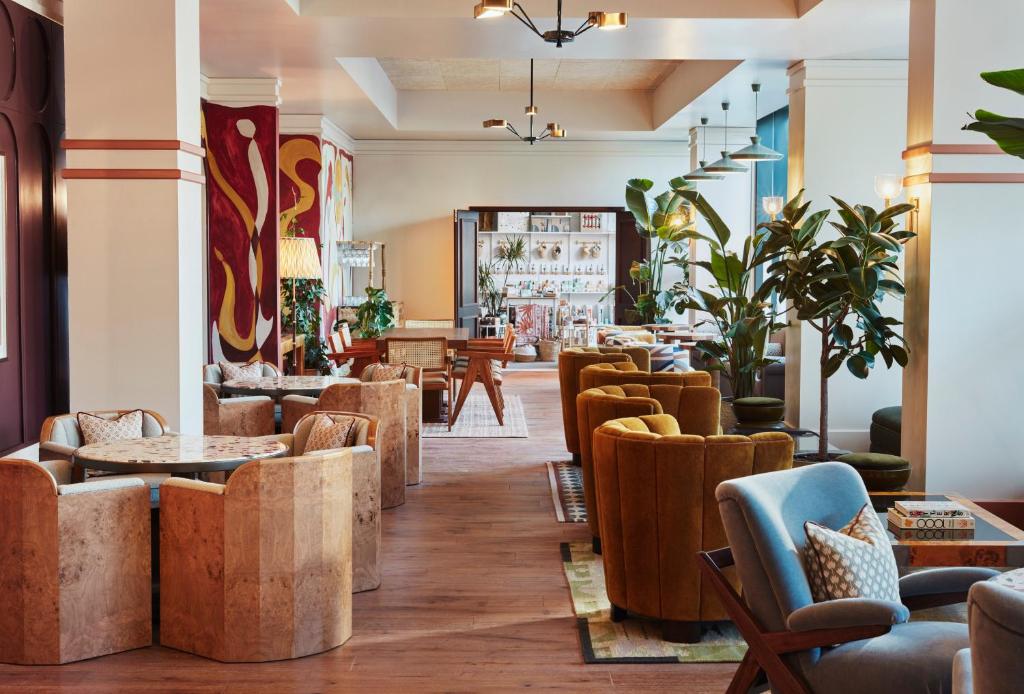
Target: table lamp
[{"x": 298, "y": 259}]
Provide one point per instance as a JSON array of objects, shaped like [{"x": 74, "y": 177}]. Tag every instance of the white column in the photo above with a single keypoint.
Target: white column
[
  {"x": 846, "y": 125},
  {"x": 962, "y": 418},
  {"x": 135, "y": 270}
]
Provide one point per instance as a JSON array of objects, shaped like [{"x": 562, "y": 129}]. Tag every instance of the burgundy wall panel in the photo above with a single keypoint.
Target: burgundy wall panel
[{"x": 34, "y": 376}]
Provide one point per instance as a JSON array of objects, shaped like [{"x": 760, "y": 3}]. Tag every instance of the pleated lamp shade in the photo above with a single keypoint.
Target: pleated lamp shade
[{"x": 298, "y": 259}]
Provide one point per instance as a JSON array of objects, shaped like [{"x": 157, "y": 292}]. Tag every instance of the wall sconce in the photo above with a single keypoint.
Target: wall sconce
[
  {"x": 913, "y": 214},
  {"x": 772, "y": 205},
  {"x": 888, "y": 187}
]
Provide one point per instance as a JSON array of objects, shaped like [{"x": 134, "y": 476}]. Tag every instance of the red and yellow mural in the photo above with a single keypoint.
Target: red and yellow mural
[
  {"x": 299, "y": 162},
  {"x": 336, "y": 224},
  {"x": 242, "y": 202}
]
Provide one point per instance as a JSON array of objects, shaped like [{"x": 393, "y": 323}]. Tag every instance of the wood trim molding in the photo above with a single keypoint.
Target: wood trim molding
[
  {"x": 133, "y": 174},
  {"x": 179, "y": 145},
  {"x": 923, "y": 150},
  {"x": 921, "y": 179}
]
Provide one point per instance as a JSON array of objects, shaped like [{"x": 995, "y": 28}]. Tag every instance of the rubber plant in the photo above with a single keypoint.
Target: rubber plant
[
  {"x": 376, "y": 314},
  {"x": 1005, "y": 131},
  {"x": 741, "y": 313},
  {"x": 664, "y": 220},
  {"x": 837, "y": 286},
  {"x": 309, "y": 294}
]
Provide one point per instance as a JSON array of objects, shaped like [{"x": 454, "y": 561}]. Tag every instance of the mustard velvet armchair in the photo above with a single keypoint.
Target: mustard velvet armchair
[
  {"x": 596, "y": 375},
  {"x": 570, "y": 362},
  {"x": 697, "y": 410},
  {"x": 657, "y": 510}
]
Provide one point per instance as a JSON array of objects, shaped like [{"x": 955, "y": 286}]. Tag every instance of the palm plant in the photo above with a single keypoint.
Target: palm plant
[
  {"x": 837, "y": 285},
  {"x": 1007, "y": 132}
]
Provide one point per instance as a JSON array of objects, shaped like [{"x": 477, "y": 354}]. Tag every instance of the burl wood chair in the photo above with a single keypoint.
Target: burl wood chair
[
  {"x": 385, "y": 400},
  {"x": 413, "y": 377},
  {"x": 697, "y": 410},
  {"x": 994, "y": 663},
  {"x": 343, "y": 349},
  {"x": 657, "y": 510},
  {"x": 75, "y": 566},
  {"x": 847, "y": 646},
  {"x": 214, "y": 377},
  {"x": 570, "y": 362},
  {"x": 366, "y": 527},
  {"x": 597, "y": 375},
  {"x": 251, "y": 415},
  {"x": 484, "y": 361},
  {"x": 260, "y": 568},
  {"x": 432, "y": 356}
]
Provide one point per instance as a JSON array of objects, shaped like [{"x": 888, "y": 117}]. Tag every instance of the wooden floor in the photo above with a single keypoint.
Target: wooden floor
[{"x": 473, "y": 599}]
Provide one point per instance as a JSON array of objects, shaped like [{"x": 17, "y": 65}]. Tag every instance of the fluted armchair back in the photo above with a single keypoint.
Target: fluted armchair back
[
  {"x": 596, "y": 375},
  {"x": 657, "y": 509},
  {"x": 697, "y": 410},
  {"x": 570, "y": 362}
]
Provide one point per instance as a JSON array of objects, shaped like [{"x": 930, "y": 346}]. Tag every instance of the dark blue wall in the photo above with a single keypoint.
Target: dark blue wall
[{"x": 773, "y": 130}]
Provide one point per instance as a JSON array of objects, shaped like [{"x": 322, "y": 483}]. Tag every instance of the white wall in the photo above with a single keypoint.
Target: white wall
[{"x": 405, "y": 193}]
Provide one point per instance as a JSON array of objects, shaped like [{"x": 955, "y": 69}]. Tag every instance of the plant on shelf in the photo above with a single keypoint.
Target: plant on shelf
[
  {"x": 664, "y": 219},
  {"x": 1005, "y": 131},
  {"x": 306, "y": 319},
  {"x": 741, "y": 313},
  {"x": 376, "y": 314},
  {"x": 489, "y": 293},
  {"x": 837, "y": 286},
  {"x": 510, "y": 256}
]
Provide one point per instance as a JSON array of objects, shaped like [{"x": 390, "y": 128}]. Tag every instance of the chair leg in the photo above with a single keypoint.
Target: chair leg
[
  {"x": 488, "y": 378},
  {"x": 618, "y": 613},
  {"x": 467, "y": 385},
  {"x": 680, "y": 632},
  {"x": 746, "y": 675},
  {"x": 595, "y": 543},
  {"x": 451, "y": 400}
]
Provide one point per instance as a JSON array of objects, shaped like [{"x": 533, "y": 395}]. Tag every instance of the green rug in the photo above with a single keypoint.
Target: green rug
[{"x": 634, "y": 640}]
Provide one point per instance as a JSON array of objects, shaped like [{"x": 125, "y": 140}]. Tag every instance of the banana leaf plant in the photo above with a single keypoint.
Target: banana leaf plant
[
  {"x": 741, "y": 313},
  {"x": 837, "y": 286},
  {"x": 664, "y": 220},
  {"x": 376, "y": 314},
  {"x": 1005, "y": 131}
]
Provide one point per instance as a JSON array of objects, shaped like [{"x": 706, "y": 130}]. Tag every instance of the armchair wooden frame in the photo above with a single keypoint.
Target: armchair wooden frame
[
  {"x": 482, "y": 353},
  {"x": 763, "y": 659}
]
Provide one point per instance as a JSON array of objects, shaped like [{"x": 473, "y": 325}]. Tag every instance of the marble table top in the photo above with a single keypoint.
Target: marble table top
[
  {"x": 283, "y": 384},
  {"x": 185, "y": 453},
  {"x": 1011, "y": 579}
]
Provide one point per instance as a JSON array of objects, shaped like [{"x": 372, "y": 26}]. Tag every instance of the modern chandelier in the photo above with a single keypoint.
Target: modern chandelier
[
  {"x": 552, "y": 130},
  {"x": 602, "y": 20}
]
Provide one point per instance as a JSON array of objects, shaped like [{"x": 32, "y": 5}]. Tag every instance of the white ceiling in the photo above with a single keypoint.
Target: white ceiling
[{"x": 418, "y": 69}]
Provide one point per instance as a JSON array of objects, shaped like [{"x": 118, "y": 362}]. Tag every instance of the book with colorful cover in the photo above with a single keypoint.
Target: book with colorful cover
[
  {"x": 951, "y": 509},
  {"x": 930, "y": 522},
  {"x": 926, "y": 534}
]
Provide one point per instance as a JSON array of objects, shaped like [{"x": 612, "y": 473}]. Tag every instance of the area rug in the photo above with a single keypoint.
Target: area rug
[
  {"x": 566, "y": 482},
  {"x": 633, "y": 640},
  {"x": 477, "y": 421}
]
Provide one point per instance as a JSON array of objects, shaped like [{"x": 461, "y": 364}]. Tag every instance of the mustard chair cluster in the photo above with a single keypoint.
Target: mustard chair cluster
[
  {"x": 696, "y": 408},
  {"x": 655, "y": 493}
]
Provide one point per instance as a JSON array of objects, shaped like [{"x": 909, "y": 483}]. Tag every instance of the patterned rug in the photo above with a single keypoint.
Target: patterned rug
[
  {"x": 477, "y": 421},
  {"x": 566, "y": 482},
  {"x": 634, "y": 640}
]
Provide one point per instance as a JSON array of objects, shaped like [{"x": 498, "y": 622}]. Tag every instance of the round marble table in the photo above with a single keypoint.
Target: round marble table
[
  {"x": 1011, "y": 579},
  {"x": 279, "y": 386},
  {"x": 178, "y": 455}
]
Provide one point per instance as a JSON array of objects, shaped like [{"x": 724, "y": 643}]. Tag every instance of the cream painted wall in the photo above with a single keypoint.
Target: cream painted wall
[{"x": 405, "y": 193}]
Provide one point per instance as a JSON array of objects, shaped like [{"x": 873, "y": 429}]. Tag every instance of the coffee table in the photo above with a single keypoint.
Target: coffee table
[
  {"x": 994, "y": 543},
  {"x": 279, "y": 386}
]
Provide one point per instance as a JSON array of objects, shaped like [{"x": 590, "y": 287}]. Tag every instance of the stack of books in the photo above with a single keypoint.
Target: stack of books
[{"x": 931, "y": 520}]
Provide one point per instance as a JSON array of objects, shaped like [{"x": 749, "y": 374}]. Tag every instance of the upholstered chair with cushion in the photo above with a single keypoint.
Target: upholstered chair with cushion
[
  {"x": 413, "y": 376},
  {"x": 994, "y": 664},
  {"x": 75, "y": 567},
  {"x": 845, "y": 646},
  {"x": 657, "y": 510},
  {"x": 385, "y": 400},
  {"x": 246, "y": 416},
  {"x": 597, "y": 375},
  {"x": 366, "y": 528},
  {"x": 213, "y": 375},
  {"x": 697, "y": 411},
  {"x": 221, "y": 597},
  {"x": 570, "y": 362}
]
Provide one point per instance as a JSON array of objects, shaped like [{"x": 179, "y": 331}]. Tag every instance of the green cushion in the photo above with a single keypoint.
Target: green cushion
[
  {"x": 759, "y": 402},
  {"x": 889, "y": 417},
  {"x": 875, "y": 461}
]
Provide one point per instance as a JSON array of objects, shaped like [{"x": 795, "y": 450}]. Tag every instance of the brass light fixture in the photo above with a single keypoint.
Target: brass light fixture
[
  {"x": 725, "y": 165},
  {"x": 699, "y": 174},
  {"x": 486, "y": 9},
  {"x": 552, "y": 130}
]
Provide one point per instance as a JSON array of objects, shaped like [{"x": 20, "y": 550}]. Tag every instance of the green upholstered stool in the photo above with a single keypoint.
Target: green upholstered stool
[
  {"x": 759, "y": 410},
  {"x": 886, "y": 430},
  {"x": 881, "y": 472}
]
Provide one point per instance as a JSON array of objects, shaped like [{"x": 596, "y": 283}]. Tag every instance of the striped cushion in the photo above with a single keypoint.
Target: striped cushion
[{"x": 662, "y": 357}]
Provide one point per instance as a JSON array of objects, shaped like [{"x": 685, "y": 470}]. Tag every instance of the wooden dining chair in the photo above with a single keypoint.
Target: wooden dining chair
[
  {"x": 343, "y": 348},
  {"x": 483, "y": 361},
  {"x": 432, "y": 356}
]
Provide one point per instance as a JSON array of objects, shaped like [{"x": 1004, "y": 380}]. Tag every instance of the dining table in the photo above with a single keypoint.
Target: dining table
[{"x": 458, "y": 338}]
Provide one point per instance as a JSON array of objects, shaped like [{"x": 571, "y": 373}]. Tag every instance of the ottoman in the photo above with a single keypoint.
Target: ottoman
[
  {"x": 759, "y": 411},
  {"x": 886, "y": 430},
  {"x": 881, "y": 472}
]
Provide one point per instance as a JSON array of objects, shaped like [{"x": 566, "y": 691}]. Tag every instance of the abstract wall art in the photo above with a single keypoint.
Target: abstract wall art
[
  {"x": 299, "y": 162},
  {"x": 336, "y": 221},
  {"x": 242, "y": 203}
]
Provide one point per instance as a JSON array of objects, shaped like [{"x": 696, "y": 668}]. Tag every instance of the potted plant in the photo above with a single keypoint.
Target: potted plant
[
  {"x": 489, "y": 294},
  {"x": 305, "y": 319},
  {"x": 837, "y": 285},
  {"x": 376, "y": 314},
  {"x": 1007, "y": 132}
]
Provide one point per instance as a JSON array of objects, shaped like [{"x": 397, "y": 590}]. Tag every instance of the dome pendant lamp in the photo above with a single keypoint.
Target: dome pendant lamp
[
  {"x": 699, "y": 174},
  {"x": 726, "y": 166},
  {"x": 755, "y": 151}
]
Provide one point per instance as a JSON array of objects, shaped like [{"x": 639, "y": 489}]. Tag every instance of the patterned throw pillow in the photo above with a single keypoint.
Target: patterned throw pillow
[
  {"x": 375, "y": 373},
  {"x": 855, "y": 561},
  {"x": 234, "y": 372},
  {"x": 331, "y": 431},
  {"x": 101, "y": 430}
]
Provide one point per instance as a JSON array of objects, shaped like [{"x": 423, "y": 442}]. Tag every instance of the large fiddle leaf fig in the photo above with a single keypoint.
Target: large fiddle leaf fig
[{"x": 1005, "y": 131}]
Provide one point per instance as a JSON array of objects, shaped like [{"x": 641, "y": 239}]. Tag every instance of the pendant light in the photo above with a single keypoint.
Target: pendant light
[
  {"x": 755, "y": 151},
  {"x": 726, "y": 166},
  {"x": 699, "y": 174},
  {"x": 553, "y": 130}
]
